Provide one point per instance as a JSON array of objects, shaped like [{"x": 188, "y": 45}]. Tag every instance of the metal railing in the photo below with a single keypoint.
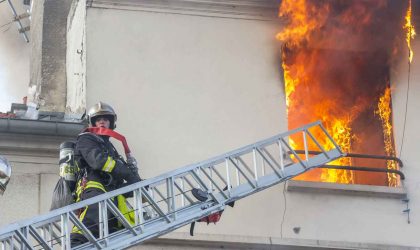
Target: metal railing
[{"x": 362, "y": 168}]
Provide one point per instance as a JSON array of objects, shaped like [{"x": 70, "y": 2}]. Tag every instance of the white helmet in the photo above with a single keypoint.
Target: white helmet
[{"x": 5, "y": 173}]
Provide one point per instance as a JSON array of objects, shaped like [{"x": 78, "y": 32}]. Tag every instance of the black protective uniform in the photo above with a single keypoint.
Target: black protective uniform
[{"x": 102, "y": 170}]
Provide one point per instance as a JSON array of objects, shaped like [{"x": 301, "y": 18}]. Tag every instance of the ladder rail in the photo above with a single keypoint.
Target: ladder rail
[{"x": 165, "y": 212}]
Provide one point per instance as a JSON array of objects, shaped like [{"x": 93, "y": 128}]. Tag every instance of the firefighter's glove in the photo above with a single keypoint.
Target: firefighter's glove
[
  {"x": 134, "y": 176},
  {"x": 121, "y": 171},
  {"x": 131, "y": 160},
  {"x": 133, "y": 166}
]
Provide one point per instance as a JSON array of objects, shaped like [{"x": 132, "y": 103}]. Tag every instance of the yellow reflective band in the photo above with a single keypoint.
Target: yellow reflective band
[
  {"x": 75, "y": 229},
  {"x": 109, "y": 165},
  {"x": 95, "y": 184},
  {"x": 89, "y": 184},
  {"x": 125, "y": 210},
  {"x": 79, "y": 190}
]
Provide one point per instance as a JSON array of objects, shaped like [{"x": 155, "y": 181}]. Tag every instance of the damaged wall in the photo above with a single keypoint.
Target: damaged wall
[
  {"x": 48, "y": 56},
  {"x": 36, "y": 50},
  {"x": 76, "y": 58}
]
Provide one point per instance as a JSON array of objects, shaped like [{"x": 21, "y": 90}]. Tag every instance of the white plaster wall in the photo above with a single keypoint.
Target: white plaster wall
[
  {"x": 410, "y": 142},
  {"x": 35, "y": 170},
  {"x": 76, "y": 58},
  {"x": 14, "y": 58},
  {"x": 183, "y": 88},
  {"x": 188, "y": 87},
  {"x": 30, "y": 189},
  {"x": 21, "y": 198}
]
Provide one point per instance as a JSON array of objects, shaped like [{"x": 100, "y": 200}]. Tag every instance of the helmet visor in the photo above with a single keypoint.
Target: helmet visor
[{"x": 110, "y": 118}]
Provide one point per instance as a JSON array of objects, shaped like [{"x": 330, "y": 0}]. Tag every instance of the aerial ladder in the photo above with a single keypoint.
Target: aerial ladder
[{"x": 166, "y": 202}]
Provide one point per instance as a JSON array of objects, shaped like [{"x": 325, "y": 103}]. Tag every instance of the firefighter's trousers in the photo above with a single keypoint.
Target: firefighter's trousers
[{"x": 89, "y": 216}]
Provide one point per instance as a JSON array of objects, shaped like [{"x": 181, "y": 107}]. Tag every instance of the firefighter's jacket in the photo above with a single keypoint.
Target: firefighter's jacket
[{"x": 97, "y": 157}]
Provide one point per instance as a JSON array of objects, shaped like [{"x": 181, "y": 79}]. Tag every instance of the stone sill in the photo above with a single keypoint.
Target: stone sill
[
  {"x": 347, "y": 189},
  {"x": 177, "y": 240}
]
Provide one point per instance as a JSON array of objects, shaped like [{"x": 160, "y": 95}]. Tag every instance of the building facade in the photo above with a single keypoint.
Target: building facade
[{"x": 194, "y": 79}]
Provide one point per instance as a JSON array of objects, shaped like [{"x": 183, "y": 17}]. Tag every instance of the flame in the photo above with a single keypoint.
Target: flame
[
  {"x": 289, "y": 82},
  {"x": 338, "y": 126},
  {"x": 293, "y": 76},
  {"x": 304, "y": 18},
  {"x": 342, "y": 135},
  {"x": 410, "y": 32},
  {"x": 384, "y": 111},
  {"x": 332, "y": 64}
]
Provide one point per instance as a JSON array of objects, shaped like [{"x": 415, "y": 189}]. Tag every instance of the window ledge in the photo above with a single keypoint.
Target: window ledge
[{"x": 347, "y": 189}]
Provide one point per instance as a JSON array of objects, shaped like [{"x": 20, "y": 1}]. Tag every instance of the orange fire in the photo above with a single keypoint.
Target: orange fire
[
  {"x": 305, "y": 19},
  {"x": 384, "y": 111},
  {"x": 410, "y": 31},
  {"x": 333, "y": 70}
]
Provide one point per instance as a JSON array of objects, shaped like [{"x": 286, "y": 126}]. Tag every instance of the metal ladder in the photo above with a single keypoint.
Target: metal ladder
[{"x": 165, "y": 203}]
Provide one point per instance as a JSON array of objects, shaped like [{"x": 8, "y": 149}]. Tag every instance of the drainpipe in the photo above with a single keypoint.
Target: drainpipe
[{"x": 39, "y": 127}]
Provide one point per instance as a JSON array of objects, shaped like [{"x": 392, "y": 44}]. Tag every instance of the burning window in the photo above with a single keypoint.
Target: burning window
[{"x": 337, "y": 57}]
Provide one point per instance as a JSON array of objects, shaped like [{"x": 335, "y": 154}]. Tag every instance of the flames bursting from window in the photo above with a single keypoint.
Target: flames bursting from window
[
  {"x": 336, "y": 61},
  {"x": 410, "y": 31},
  {"x": 384, "y": 112}
]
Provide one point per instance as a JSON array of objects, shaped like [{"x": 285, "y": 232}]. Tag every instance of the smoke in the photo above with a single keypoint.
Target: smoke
[{"x": 14, "y": 59}]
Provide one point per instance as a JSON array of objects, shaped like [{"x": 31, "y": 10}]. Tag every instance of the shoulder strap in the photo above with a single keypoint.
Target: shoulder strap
[
  {"x": 97, "y": 137},
  {"x": 111, "y": 133}
]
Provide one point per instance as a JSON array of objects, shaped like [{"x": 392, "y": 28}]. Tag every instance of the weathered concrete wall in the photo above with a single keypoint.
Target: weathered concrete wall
[
  {"x": 76, "y": 58},
  {"x": 187, "y": 87},
  {"x": 48, "y": 70},
  {"x": 36, "y": 51}
]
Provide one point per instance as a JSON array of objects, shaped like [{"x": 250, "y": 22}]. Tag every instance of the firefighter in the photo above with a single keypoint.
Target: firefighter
[{"x": 103, "y": 170}]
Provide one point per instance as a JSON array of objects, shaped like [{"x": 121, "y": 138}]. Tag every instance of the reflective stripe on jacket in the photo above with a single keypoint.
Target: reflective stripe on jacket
[{"x": 98, "y": 157}]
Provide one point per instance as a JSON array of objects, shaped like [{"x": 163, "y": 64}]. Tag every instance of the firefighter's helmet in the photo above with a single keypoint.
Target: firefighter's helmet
[
  {"x": 102, "y": 109},
  {"x": 5, "y": 173}
]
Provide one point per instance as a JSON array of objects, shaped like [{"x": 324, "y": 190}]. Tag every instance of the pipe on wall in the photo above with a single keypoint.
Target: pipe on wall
[{"x": 40, "y": 127}]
